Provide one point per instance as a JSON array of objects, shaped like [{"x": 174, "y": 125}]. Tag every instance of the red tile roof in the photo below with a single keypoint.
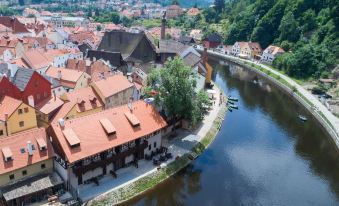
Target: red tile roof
[
  {"x": 93, "y": 137},
  {"x": 86, "y": 96},
  {"x": 97, "y": 70},
  {"x": 36, "y": 59},
  {"x": 18, "y": 141},
  {"x": 50, "y": 105},
  {"x": 66, "y": 74},
  {"x": 8, "y": 105},
  {"x": 112, "y": 85},
  {"x": 13, "y": 23}
]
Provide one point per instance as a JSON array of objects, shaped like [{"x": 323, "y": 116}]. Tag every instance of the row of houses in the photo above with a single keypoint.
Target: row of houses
[
  {"x": 70, "y": 117},
  {"x": 246, "y": 50}
]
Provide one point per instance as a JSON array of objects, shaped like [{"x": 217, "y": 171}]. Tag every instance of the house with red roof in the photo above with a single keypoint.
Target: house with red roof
[
  {"x": 17, "y": 116},
  {"x": 33, "y": 87},
  {"x": 112, "y": 139},
  {"x": 174, "y": 11},
  {"x": 26, "y": 168},
  {"x": 270, "y": 53},
  {"x": 247, "y": 50},
  {"x": 70, "y": 79},
  {"x": 114, "y": 91},
  {"x": 18, "y": 28}
]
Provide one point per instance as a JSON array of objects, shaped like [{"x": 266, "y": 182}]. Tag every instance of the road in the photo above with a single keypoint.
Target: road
[{"x": 313, "y": 99}]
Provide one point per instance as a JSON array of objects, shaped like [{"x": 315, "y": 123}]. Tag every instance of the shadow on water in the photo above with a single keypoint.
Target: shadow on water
[{"x": 263, "y": 154}]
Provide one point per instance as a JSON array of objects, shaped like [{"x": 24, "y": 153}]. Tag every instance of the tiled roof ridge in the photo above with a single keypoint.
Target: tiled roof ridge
[
  {"x": 19, "y": 134},
  {"x": 75, "y": 120}
]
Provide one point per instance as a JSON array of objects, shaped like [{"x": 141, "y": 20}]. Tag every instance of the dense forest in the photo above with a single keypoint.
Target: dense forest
[{"x": 308, "y": 29}]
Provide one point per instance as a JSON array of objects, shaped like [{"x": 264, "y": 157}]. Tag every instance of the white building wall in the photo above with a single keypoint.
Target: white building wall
[
  {"x": 155, "y": 139},
  {"x": 61, "y": 171},
  {"x": 59, "y": 91}
]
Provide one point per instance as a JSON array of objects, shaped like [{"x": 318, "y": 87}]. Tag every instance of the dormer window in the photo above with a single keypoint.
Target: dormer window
[
  {"x": 42, "y": 144},
  {"x": 7, "y": 153}
]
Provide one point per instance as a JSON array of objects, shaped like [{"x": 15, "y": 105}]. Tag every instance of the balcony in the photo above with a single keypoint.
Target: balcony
[{"x": 82, "y": 169}]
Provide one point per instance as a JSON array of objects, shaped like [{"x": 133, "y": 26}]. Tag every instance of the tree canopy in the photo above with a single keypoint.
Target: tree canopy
[{"x": 175, "y": 85}]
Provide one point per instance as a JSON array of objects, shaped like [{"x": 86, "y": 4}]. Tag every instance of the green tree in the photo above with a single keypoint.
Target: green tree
[
  {"x": 126, "y": 21},
  {"x": 308, "y": 21},
  {"x": 115, "y": 18},
  {"x": 175, "y": 84},
  {"x": 6, "y": 11},
  {"x": 219, "y": 5},
  {"x": 289, "y": 28},
  {"x": 175, "y": 2}
]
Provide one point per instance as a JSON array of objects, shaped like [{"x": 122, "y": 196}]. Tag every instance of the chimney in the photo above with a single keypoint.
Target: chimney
[
  {"x": 30, "y": 148},
  {"x": 59, "y": 75},
  {"x": 163, "y": 26},
  {"x": 204, "y": 56},
  {"x": 62, "y": 123},
  {"x": 6, "y": 117},
  {"x": 31, "y": 101},
  {"x": 54, "y": 95},
  {"x": 13, "y": 69},
  {"x": 130, "y": 105}
]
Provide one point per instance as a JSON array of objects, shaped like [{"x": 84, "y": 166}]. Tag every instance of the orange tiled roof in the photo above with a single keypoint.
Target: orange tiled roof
[
  {"x": 66, "y": 74},
  {"x": 8, "y": 105},
  {"x": 113, "y": 85},
  {"x": 36, "y": 59},
  {"x": 17, "y": 141},
  {"x": 19, "y": 62},
  {"x": 72, "y": 99},
  {"x": 94, "y": 139},
  {"x": 274, "y": 50},
  {"x": 193, "y": 12},
  {"x": 50, "y": 105}
]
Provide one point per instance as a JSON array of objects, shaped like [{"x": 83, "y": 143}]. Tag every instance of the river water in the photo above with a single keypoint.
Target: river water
[{"x": 263, "y": 154}]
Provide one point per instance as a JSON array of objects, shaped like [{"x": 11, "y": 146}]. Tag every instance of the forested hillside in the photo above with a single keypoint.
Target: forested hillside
[{"x": 306, "y": 28}]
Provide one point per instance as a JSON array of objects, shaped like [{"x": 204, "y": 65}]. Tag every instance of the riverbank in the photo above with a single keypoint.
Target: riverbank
[
  {"x": 310, "y": 102},
  {"x": 196, "y": 141}
]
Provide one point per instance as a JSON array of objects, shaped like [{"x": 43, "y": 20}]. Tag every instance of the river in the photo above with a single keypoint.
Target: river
[{"x": 263, "y": 154}]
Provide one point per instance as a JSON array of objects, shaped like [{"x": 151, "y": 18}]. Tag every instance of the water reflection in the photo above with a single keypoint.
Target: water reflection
[{"x": 263, "y": 154}]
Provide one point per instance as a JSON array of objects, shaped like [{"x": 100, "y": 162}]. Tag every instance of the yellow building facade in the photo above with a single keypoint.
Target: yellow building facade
[
  {"x": 23, "y": 118},
  {"x": 28, "y": 171}
]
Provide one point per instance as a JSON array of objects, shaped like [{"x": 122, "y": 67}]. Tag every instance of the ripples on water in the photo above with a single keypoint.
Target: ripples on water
[{"x": 263, "y": 154}]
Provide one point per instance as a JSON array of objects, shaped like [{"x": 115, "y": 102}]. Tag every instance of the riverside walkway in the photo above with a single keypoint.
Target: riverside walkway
[{"x": 320, "y": 108}]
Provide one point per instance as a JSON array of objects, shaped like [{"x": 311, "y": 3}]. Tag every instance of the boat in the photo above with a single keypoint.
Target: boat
[
  {"x": 230, "y": 109},
  {"x": 230, "y": 102},
  {"x": 302, "y": 118},
  {"x": 232, "y": 98},
  {"x": 234, "y": 106}
]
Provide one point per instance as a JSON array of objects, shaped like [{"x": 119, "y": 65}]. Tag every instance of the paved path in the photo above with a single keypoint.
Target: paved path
[{"x": 320, "y": 107}]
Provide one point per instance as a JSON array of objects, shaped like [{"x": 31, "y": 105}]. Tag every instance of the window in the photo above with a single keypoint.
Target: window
[
  {"x": 1, "y": 132},
  {"x": 24, "y": 172},
  {"x": 26, "y": 109},
  {"x": 19, "y": 111},
  {"x": 11, "y": 177},
  {"x": 22, "y": 150},
  {"x": 149, "y": 147},
  {"x": 21, "y": 123},
  {"x": 45, "y": 94},
  {"x": 38, "y": 96},
  {"x": 43, "y": 166},
  {"x": 155, "y": 144}
]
